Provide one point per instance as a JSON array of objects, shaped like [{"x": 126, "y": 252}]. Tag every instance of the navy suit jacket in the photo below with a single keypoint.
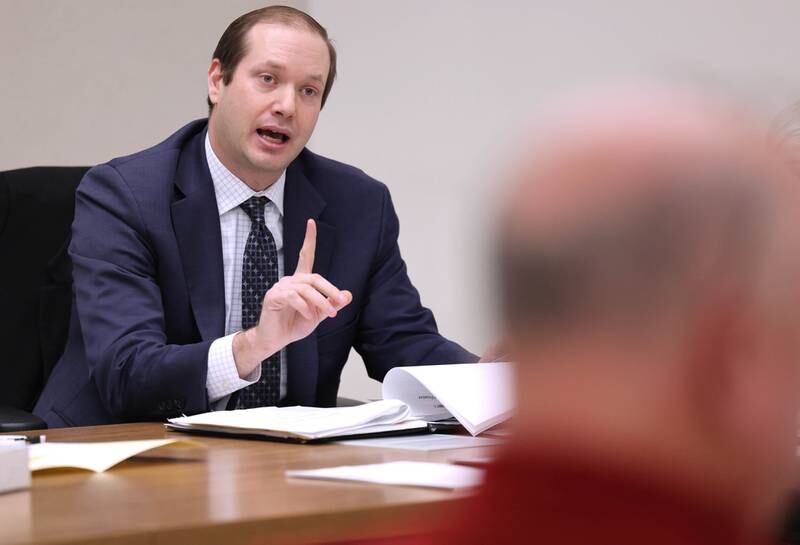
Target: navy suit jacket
[{"x": 148, "y": 286}]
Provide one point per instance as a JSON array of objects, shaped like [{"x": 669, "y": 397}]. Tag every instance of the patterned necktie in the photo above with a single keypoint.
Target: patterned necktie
[{"x": 259, "y": 273}]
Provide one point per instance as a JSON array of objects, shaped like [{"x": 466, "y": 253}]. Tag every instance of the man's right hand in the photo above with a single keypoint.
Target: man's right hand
[{"x": 292, "y": 309}]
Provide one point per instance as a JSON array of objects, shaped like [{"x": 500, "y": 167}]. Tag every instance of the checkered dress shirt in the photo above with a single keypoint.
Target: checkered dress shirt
[{"x": 223, "y": 378}]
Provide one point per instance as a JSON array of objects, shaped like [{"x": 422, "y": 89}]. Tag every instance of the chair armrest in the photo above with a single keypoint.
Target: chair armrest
[{"x": 12, "y": 419}]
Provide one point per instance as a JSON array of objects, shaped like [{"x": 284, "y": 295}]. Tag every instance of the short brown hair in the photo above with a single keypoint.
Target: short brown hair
[{"x": 232, "y": 45}]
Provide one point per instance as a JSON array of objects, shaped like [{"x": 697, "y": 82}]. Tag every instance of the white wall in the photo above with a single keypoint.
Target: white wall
[
  {"x": 88, "y": 80},
  {"x": 432, "y": 96},
  {"x": 430, "y": 99}
]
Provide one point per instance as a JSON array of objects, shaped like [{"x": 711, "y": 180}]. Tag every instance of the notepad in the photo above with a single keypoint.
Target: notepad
[{"x": 421, "y": 474}]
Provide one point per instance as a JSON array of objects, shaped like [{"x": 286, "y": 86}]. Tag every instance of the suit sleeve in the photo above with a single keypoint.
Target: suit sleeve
[
  {"x": 119, "y": 305},
  {"x": 394, "y": 328}
]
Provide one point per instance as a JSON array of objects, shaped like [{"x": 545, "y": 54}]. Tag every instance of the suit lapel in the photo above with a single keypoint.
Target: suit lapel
[
  {"x": 195, "y": 219},
  {"x": 301, "y": 203}
]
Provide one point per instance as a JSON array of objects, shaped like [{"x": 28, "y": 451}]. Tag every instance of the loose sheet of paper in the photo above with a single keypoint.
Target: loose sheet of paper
[
  {"x": 96, "y": 457},
  {"x": 424, "y": 474},
  {"x": 428, "y": 442}
]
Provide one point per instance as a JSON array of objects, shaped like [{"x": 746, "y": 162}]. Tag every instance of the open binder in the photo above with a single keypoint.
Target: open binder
[{"x": 479, "y": 396}]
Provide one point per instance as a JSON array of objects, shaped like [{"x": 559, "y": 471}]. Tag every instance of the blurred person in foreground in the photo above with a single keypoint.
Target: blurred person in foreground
[{"x": 648, "y": 277}]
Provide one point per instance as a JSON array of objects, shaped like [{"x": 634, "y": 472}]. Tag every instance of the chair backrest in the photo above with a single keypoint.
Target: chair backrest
[{"x": 36, "y": 210}]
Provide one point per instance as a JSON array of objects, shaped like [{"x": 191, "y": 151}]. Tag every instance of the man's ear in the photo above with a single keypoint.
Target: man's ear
[
  {"x": 215, "y": 83},
  {"x": 720, "y": 373}
]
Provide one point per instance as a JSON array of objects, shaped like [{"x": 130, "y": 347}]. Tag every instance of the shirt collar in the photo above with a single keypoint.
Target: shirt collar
[{"x": 231, "y": 191}]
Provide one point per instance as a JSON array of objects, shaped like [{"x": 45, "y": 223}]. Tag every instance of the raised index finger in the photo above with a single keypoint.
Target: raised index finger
[{"x": 305, "y": 263}]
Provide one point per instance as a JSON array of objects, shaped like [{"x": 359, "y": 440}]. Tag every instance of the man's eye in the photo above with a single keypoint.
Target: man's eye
[
  {"x": 266, "y": 78},
  {"x": 309, "y": 91}
]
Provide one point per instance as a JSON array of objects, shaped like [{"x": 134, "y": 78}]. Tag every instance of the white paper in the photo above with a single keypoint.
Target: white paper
[
  {"x": 424, "y": 474},
  {"x": 14, "y": 472},
  {"x": 96, "y": 457},
  {"x": 427, "y": 442},
  {"x": 307, "y": 422},
  {"x": 478, "y": 395}
]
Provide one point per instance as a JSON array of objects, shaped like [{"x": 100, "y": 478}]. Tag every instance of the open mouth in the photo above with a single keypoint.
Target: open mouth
[{"x": 272, "y": 135}]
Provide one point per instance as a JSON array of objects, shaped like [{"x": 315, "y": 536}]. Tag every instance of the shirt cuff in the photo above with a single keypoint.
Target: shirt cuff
[{"x": 223, "y": 378}]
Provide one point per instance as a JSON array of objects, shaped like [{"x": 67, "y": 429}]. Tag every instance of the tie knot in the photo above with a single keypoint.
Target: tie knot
[{"x": 254, "y": 208}]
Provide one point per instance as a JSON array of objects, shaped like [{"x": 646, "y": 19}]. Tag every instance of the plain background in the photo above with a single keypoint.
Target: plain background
[{"x": 433, "y": 98}]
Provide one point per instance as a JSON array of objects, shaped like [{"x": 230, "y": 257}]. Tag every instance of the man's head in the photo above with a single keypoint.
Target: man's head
[
  {"x": 270, "y": 75},
  {"x": 649, "y": 246}
]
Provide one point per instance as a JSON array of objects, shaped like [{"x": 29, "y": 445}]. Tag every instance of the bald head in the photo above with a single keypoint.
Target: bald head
[
  {"x": 650, "y": 286},
  {"x": 634, "y": 204}
]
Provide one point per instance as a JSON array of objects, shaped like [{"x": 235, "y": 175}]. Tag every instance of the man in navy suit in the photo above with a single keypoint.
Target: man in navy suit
[{"x": 175, "y": 249}]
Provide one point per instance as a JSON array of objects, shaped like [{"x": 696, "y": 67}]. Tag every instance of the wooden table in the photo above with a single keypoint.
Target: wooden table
[{"x": 238, "y": 494}]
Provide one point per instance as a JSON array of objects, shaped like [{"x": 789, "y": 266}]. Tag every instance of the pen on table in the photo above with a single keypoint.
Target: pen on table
[{"x": 31, "y": 440}]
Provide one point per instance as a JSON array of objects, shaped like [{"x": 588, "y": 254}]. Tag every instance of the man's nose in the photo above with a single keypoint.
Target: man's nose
[{"x": 284, "y": 103}]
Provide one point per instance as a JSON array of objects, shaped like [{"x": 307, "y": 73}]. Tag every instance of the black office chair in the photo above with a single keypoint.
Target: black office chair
[{"x": 36, "y": 209}]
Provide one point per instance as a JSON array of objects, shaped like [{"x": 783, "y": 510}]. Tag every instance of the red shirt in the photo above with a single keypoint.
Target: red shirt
[{"x": 538, "y": 498}]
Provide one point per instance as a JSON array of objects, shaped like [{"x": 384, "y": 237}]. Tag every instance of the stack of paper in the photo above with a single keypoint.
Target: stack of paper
[{"x": 14, "y": 472}]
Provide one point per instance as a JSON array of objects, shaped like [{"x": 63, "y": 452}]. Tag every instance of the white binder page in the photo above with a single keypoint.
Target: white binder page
[{"x": 478, "y": 395}]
